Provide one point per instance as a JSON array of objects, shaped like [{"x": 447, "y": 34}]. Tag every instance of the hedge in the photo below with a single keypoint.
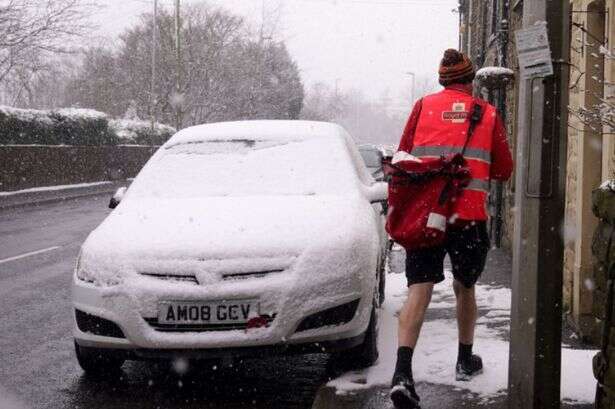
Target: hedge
[
  {"x": 132, "y": 132},
  {"x": 71, "y": 126}
]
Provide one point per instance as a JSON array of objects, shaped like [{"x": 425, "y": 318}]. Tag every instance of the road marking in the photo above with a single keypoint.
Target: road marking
[{"x": 32, "y": 253}]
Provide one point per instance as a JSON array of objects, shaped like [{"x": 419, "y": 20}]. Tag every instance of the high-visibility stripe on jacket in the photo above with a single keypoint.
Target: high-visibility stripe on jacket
[{"x": 442, "y": 129}]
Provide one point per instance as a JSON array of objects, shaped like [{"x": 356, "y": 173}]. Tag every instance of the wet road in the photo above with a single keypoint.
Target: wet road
[{"x": 38, "y": 247}]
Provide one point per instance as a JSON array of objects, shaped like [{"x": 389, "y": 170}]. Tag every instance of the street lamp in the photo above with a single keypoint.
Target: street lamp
[
  {"x": 411, "y": 73},
  {"x": 153, "y": 79},
  {"x": 178, "y": 78}
]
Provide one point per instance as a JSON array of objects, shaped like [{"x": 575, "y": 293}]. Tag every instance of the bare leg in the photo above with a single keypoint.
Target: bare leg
[
  {"x": 467, "y": 312},
  {"x": 411, "y": 316},
  {"x": 413, "y": 313}
]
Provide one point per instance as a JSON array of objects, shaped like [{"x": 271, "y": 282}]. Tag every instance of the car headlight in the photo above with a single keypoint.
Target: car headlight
[{"x": 80, "y": 272}]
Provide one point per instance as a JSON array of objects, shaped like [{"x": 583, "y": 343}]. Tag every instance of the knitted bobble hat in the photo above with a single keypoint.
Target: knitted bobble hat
[{"x": 455, "y": 67}]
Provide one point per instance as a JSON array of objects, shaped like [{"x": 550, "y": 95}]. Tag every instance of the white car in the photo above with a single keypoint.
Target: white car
[{"x": 237, "y": 240}]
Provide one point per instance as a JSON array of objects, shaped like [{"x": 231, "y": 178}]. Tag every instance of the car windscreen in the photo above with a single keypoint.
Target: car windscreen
[
  {"x": 241, "y": 167},
  {"x": 371, "y": 157}
]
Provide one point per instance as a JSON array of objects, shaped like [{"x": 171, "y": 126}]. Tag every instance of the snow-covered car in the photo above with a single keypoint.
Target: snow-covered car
[{"x": 237, "y": 240}]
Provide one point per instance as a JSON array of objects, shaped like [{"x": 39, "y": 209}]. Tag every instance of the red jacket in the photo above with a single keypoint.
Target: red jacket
[{"x": 437, "y": 126}]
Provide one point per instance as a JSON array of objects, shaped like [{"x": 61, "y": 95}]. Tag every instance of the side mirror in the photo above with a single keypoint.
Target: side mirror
[
  {"x": 117, "y": 197},
  {"x": 378, "y": 192}
]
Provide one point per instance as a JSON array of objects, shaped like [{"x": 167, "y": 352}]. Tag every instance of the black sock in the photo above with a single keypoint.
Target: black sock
[
  {"x": 465, "y": 352},
  {"x": 404, "y": 361}
]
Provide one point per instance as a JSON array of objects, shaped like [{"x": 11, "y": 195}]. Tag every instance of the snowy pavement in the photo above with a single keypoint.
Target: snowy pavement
[
  {"x": 435, "y": 355},
  {"x": 48, "y": 194}
]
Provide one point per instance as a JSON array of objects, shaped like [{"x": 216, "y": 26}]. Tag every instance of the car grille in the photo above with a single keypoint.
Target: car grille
[
  {"x": 191, "y": 279},
  {"x": 153, "y": 322},
  {"x": 245, "y": 276}
]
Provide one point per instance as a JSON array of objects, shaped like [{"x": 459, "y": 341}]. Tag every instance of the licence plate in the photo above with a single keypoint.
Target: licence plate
[{"x": 212, "y": 312}]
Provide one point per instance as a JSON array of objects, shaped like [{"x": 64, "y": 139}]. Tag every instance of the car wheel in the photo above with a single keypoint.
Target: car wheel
[
  {"x": 364, "y": 355},
  {"x": 97, "y": 361}
]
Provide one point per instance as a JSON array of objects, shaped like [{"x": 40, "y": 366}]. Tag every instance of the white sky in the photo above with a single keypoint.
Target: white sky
[{"x": 364, "y": 44}]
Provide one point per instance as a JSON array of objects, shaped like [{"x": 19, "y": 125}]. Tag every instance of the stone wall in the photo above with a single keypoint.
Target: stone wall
[
  {"x": 604, "y": 260},
  {"x": 26, "y": 166},
  {"x": 483, "y": 35},
  {"x": 590, "y": 157},
  {"x": 574, "y": 130},
  {"x": 515, "y": 22}
]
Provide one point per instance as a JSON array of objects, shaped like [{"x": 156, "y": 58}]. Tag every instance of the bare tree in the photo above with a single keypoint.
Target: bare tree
[
  {"x": 600, "y": 117},
  {"x": 32, "y": 33},
  {"x": 226, "y": 74}
]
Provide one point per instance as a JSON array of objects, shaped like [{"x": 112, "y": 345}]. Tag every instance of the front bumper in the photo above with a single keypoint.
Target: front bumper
[
  {"x": 142, "y": 354},
  {"x": 130, "y": 305}
]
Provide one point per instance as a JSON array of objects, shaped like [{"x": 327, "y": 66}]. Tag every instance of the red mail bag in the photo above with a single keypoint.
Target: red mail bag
[{"x": 422, "y": 194}]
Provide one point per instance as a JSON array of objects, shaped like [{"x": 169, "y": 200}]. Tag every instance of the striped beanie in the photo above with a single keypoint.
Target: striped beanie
[{"x": 455, "y": 67}]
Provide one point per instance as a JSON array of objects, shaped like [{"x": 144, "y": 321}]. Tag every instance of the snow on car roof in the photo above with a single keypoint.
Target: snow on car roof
[{"x": 255, "y": 129}]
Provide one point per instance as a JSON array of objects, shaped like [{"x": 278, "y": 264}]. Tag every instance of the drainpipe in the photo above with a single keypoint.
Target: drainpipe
[
  {"x": 461, "y": 26},
  {"x": 502, "y": 34}
]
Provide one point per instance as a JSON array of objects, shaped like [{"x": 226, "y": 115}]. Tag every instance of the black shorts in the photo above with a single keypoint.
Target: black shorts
[{"x": 467, "y": 247}]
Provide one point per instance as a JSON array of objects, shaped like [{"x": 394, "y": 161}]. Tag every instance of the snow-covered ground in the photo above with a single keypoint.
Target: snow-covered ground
[
  {"x": 436, "y": 352},
  {"x": 54, "y": 188}
]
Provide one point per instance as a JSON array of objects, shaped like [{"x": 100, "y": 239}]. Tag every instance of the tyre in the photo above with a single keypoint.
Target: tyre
[
  {"x": 97, "y": 361},
  {"x": 363, "y": 355}
]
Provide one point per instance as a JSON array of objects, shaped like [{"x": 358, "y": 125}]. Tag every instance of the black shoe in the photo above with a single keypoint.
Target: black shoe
[
  {"x": 468, "y": 369},
  {"x": 403, "y": 393}
]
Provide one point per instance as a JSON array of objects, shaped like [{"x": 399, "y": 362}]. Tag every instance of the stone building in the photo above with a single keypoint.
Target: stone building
[
  {"x": 486, "y": 35},
  {"x": 487, "y": 30},
  {"x": 591, "y": 152}
]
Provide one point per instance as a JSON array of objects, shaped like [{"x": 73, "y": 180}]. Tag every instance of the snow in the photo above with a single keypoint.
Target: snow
[
  {"x": 606, "y": 52},
  {"x": 401, "y": 156},
  {"x": 54, "y": 188},
  {"x": 128, "y": 130},
  {"x": 436, "y": 352},
  {"x": 271, "y": 129},
  {"x": 494, "y": 72},
  {"x": 325, "y": 259},
  {"x": 27, "y": 115},
  {"x": 607, "y": 185},
  {"x": 253, "y": 158},
  {"x": 76, "y": 114},
  {"x": 119, "y": 194},
  {"x": 216, "y": 199},
  {"x": 242, "y": 167},
  {"x": 10, "y": 401}
]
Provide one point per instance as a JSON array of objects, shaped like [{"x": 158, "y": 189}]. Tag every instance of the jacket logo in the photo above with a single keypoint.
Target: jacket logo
[{"x": 458, "y": 114}]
